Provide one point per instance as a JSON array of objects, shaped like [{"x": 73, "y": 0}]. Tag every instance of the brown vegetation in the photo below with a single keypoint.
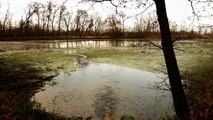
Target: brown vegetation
[{"x": 53, "y": 21}]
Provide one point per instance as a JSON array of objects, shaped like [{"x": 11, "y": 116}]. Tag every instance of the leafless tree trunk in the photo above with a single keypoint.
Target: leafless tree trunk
[
  {"x": 26, "y": 22},
  {"x": 123, "y": 19},
  {"x": 37, "y": 9},
  {"x": 89, "y": 29},
  {"x": 53, "y": 21},
  {"x": 80, "y": 21},
  {"x": 67, "y": 21},
  {"x": 5, "y": 21},
  {"x": 43, "y": 19},
  {"x": 179, "y": 98},
  {"x": 61, "y": 13},
  {"x": 98, "y": 25},
  {"x": 49, "y": 16},
  {"x": 114, "y": 26}
]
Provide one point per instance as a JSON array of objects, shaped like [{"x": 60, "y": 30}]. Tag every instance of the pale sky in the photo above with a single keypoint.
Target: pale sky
[{"x": 178, "y": 11}]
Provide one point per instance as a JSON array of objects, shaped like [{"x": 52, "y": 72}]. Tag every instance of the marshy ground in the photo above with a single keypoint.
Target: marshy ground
[{"x": 24, "y": 67}]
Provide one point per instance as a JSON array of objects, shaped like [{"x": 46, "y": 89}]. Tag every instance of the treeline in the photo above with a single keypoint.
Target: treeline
[{"x": 53, "y": 21}]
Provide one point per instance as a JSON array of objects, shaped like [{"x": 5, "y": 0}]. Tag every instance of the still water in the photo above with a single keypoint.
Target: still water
[
  {"x": 105, "y": 91},
  {"x": 99, "y": 43},
  {"x": 75, "y": 43}
]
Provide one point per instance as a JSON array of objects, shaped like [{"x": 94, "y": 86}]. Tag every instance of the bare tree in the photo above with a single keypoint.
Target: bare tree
[
  {"x": 114, "y": 25},
  {"x": 123, "y": 19},
  {"x": 67, "y": 21},
  {"x": 89, "y": 28},
  {"x": 44, "y": 19},
  {"x": 61, "y": 15},
  {"x": 37, "y": 9},
  {"x": 53, "y": 19},
  {"x": 6, "y": 21},
  {"x": 49, "y": 9},
  {"x": 139, "y": 26},
  {"x": 29, "y": 13},
  {"x": 52, "y": 11},
  {"x": 80, "y": 21},
  {"x": 98, "y": 24}
]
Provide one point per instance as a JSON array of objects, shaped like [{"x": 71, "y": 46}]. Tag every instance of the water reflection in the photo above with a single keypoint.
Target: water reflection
[
  {"x": 75, "y": 43},
  {"x": 105, "y": 91},
  {"x": 98, "y": 43}
]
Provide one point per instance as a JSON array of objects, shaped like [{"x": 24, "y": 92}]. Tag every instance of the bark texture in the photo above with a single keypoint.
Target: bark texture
[{"x": 179, "y": 98}]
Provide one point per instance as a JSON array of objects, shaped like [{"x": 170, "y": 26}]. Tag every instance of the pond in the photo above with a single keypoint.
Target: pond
[
  {"x": 105, "y": 91},
  {"x": 75, "y": 43},
  {"x": 99, "y": 43}
]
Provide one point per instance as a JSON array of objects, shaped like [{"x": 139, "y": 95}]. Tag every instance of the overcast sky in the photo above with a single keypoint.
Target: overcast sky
[{"x": 178, "y": 11}]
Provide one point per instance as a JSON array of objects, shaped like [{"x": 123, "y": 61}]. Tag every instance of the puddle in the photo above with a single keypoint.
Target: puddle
[{"x": 105, "y": 91}]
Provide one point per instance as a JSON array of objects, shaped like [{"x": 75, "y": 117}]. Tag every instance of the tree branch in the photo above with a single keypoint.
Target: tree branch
[
  {"x": 191, "y": 3},
  {"x": 116, "y": 6},
  {"x": 160, "y": 47},
  {"x": 144, "y": 10}
]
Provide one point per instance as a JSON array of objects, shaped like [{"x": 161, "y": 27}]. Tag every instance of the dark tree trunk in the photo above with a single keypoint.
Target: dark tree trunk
[
  {"x": 179, "y": 98},
  {"x": 67, "y": 31}
]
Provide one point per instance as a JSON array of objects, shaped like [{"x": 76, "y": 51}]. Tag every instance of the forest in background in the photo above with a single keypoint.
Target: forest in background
[{"x": 53, "y": 21}]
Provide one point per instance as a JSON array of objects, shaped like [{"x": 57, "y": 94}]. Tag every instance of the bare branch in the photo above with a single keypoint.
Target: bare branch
[
  {"x": 144, "y": 10},
  {"x": 151, "y": 43},
  {"x": 191, "y": 3},
  {"x": 91, "y": 6},
  {"x": 116, "y": 6}
]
